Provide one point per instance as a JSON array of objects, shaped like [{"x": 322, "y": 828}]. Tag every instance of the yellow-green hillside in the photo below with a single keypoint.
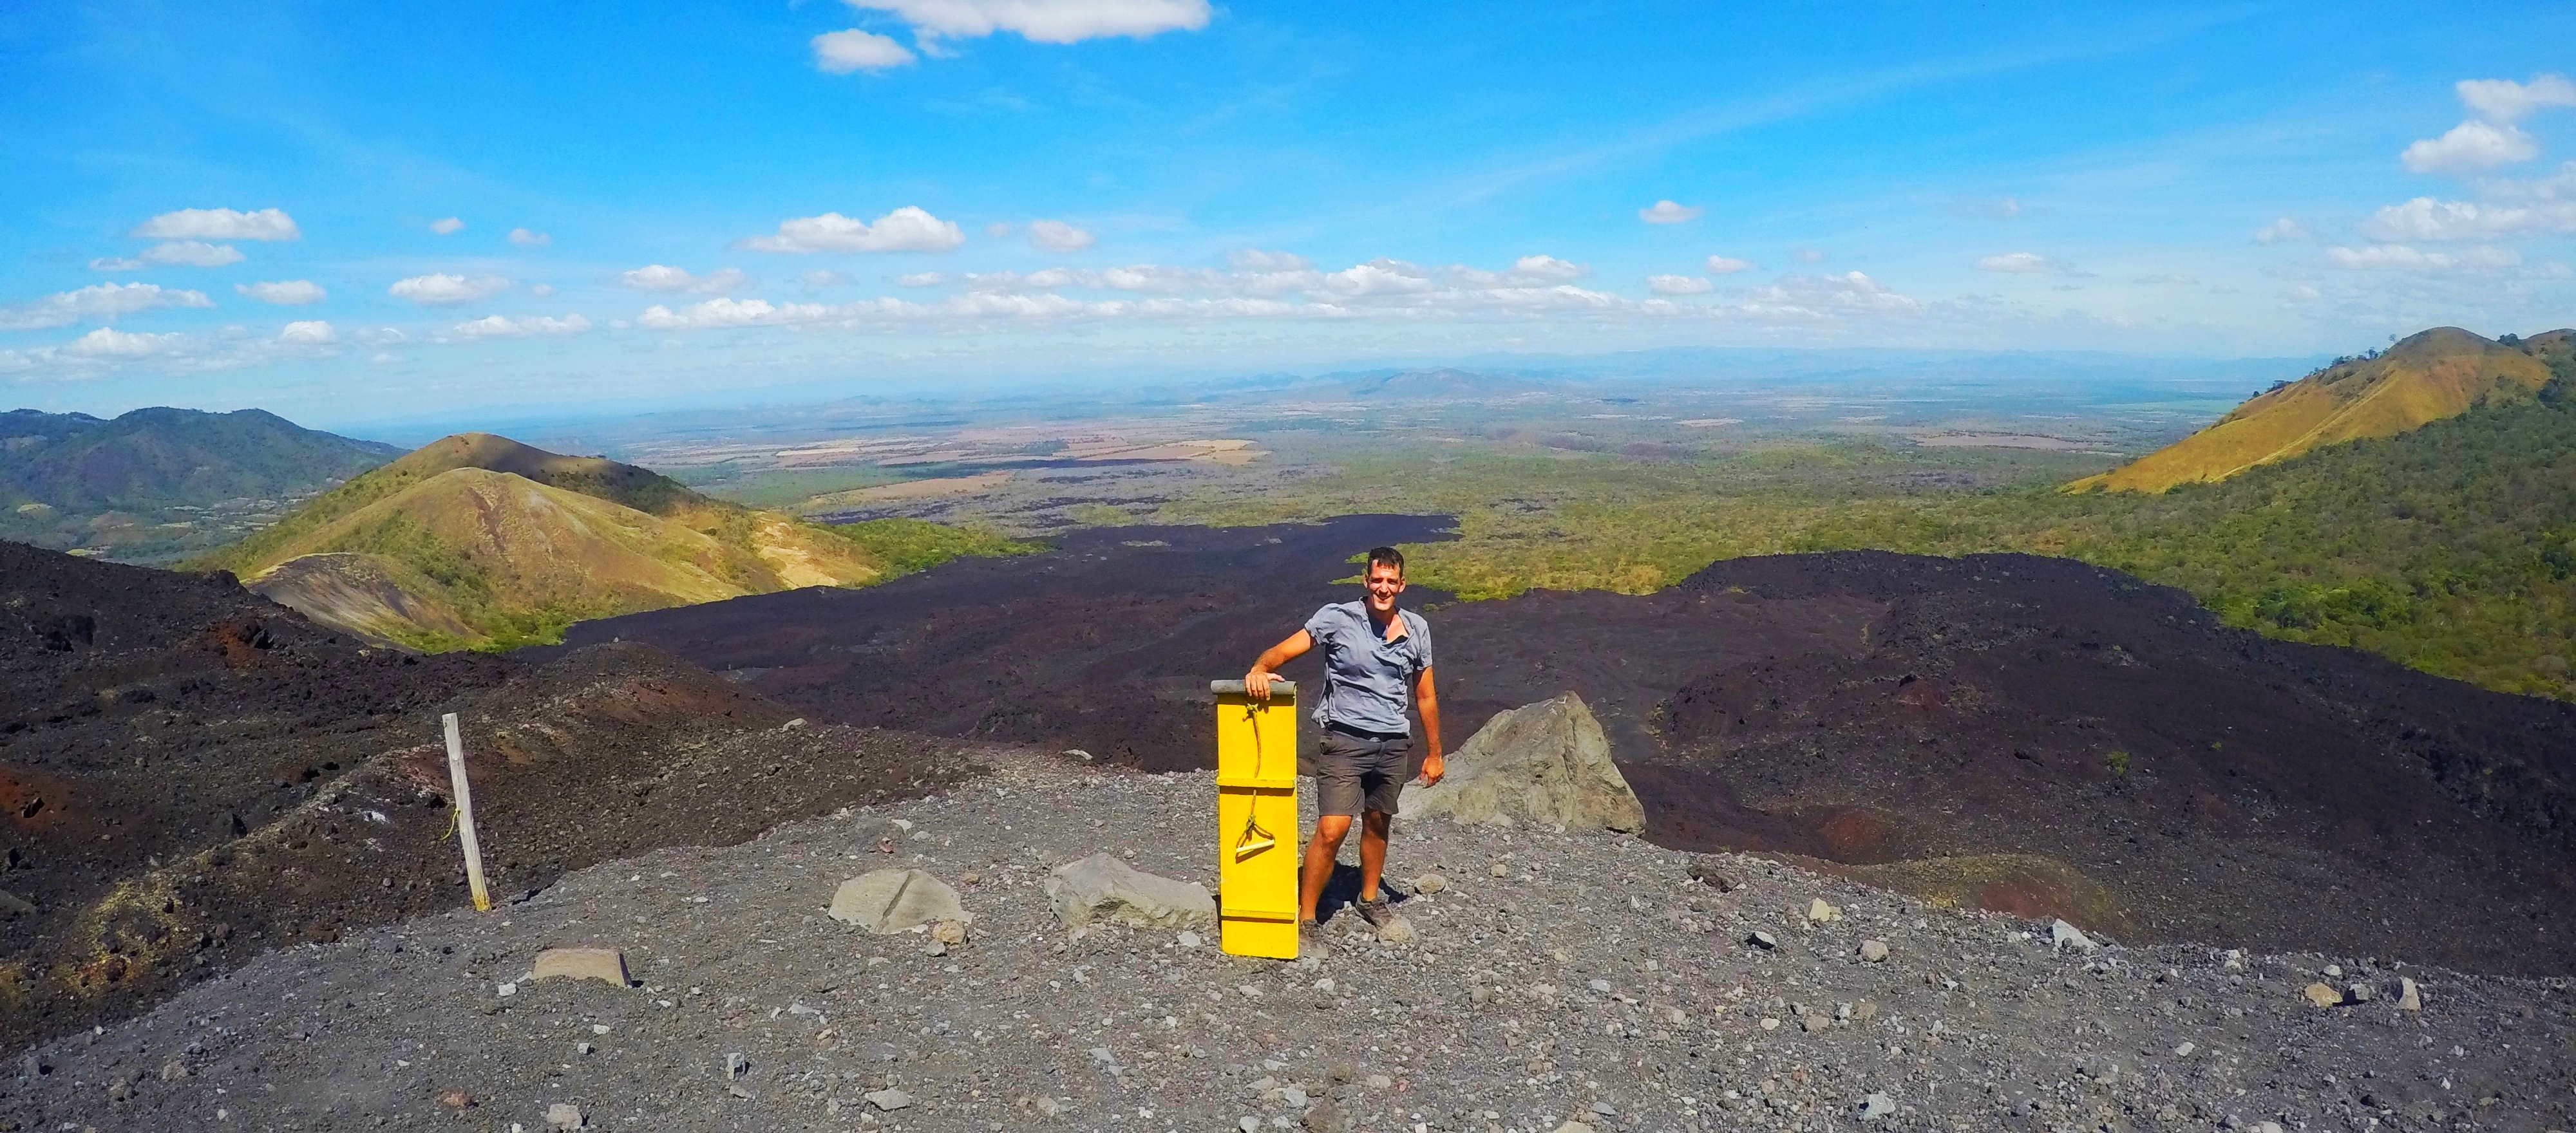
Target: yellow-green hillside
[
  {"x": 2436, "y": 374},
  {"x": 480, "y": 541}
]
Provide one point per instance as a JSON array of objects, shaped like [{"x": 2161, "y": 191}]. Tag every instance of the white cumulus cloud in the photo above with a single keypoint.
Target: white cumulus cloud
[
  {"x": 841, "y": 52},
  {"x": 444, "y": 290},
  {"x": 1679, "y": 285},
  {"x": 284, "y": 292},
  {"x": 2470, "y": 147},
  {"x": 821, "y": 277},
  {"x": 921, "y": 279},
  {"x": 1548, "y": 269},
  {"x": 1667, "y": 212},
  {"x": 103, "y": 302},
  {"x": 1042, "y": 21},
  {"x": 448, "y": 227},
  {"x": 310, "y": 333},
  {"x": 663, "y": 278},
  {"x": 715, "y": 313},
  {"x": 907, "y": 229},
  {"x": 1728, "y": 265},
  {"x": 173, "y": 253},
  {"x": 2280, "y": 230},
  {"x": 529, "y": 238},
  {"x": 502, "y": 326},
  {"x": 219, "y": 224},
  {"x": 2425, "y": 218},
  {"x": 2401, "y": 258},
  {"x": 109, "y": 342},
  {"x": 2016, "y": 262},
  {"x": 1809, "y": 297},
  {"x": 1057, "y": 236},
  {"x": 2505, "y": 101}
]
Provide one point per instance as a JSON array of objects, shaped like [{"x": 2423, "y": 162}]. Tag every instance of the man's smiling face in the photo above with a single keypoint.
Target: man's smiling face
[{"x": 1385, "y": 581}]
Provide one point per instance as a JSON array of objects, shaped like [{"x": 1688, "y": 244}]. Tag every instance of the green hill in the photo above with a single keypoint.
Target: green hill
[
  {"x": 479, "y": 541},
  {"x": 2436, "y": 374},
  {"x": 2451, "y": 548},
  {"x": 155, "y": 484}
]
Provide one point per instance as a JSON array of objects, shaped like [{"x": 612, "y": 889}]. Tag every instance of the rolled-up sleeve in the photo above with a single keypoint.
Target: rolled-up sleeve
[{"x": 1421, "y": 643}]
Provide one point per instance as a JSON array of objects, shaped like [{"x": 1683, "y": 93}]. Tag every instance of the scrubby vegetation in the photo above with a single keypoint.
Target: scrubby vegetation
[
  {"x": 909, "y": 545},
  {"x": 2451, "y": 548}
]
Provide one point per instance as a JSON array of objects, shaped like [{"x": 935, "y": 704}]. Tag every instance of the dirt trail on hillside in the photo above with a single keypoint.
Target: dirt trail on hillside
[
  {"x": 2019, "y": 733},
  {"x": 1588, "y": 978}
]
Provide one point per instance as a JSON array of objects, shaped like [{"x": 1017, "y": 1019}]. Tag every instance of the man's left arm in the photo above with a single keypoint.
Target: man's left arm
[{"x": 1429, "y": 702}]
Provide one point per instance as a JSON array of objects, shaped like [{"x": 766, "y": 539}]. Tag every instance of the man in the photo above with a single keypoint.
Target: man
[{"x": 1374, "y": 656}]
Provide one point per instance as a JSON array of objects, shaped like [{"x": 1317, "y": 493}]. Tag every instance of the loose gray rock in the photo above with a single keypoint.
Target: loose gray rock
[
  {"x": 1430, "y": 883},
  {"x": 1763, "y": 940},
  {"x": 562, "y": 1115},
  {"x": 1396, "y": 930},
  {"x": 735, "y": 1065},
  {"x": 2062, "y": 936},
  {"x": 1707, "y": 872},
  {"x": 1547, "y": 763},
  {"x": 1876, "y": 1106},
  {"x": 1873, "y": 951},
  {"x": 894, "y": 900},
  {"x": 1101, "y": 887},
  {"x": 2409, "y": 997},
  {"x": 889, "y": 1099}
]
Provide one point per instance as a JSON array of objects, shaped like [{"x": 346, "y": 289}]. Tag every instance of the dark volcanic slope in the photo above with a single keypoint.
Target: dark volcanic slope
[
  {"x": 148, "y": 716},
  {"x": 2220, "y": 784},
  {"x": 1106, "y": 644},
  {"x": 192, "y": 775},
  {"x": 2021, "y": 733}
]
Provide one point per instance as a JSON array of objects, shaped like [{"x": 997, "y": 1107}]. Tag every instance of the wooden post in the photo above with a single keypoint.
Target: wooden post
[{"x": 465, "y": 816}]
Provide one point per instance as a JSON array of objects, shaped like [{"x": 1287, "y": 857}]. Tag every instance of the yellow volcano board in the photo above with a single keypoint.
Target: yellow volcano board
[{"x": 1256, "y": 820}]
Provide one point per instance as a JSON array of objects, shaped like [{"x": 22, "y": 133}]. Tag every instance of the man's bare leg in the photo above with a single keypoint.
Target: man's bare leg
[
  {"x": 1373, "y": 830},
  {"x": 1321, "y": 850}
]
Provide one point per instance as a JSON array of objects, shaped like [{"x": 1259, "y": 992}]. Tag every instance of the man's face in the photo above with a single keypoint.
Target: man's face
[{"x": 1384, "y": 583}]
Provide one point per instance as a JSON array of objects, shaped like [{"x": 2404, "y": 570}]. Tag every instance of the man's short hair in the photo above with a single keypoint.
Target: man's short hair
[{"x": 1388, "y": 555}]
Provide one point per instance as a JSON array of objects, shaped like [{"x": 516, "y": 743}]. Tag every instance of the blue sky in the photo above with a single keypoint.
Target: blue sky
[{"x": 368, "y": 212}]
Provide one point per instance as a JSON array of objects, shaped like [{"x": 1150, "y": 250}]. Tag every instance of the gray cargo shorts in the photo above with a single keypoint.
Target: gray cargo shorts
[{"x": 1355, "y": 773}]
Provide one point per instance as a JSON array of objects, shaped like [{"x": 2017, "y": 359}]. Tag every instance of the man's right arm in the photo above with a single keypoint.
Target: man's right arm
[{"x": 1257, "y": 682}]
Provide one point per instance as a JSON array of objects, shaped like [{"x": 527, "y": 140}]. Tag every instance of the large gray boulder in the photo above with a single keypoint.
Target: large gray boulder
[
  {"x": 1101, "y": 887},
  {"x": 1546, "y": 763},
  {"x": 893, "y": 900}
]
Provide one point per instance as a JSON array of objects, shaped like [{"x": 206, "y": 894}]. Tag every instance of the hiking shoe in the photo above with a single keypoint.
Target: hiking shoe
[{"x": 1374, "y": 912}]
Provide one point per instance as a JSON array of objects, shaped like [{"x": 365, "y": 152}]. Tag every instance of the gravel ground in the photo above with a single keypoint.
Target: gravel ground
[{"x": 1593, "y": 980}]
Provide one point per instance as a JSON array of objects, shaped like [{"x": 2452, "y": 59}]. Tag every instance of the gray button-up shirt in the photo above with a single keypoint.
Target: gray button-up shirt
[{"x": 1368, "y": 680}]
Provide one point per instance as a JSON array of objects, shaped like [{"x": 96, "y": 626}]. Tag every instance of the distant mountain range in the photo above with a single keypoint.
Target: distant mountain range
[
  {"x": 2436, "y": 374},
  {"x": 155, "y": 484},
  {"x": 479, "y": 541},
  {"x": 1436, "y": 384}
]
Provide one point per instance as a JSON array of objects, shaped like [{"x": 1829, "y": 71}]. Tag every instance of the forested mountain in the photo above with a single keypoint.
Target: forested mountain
[{"x": 153, "y": 484}]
